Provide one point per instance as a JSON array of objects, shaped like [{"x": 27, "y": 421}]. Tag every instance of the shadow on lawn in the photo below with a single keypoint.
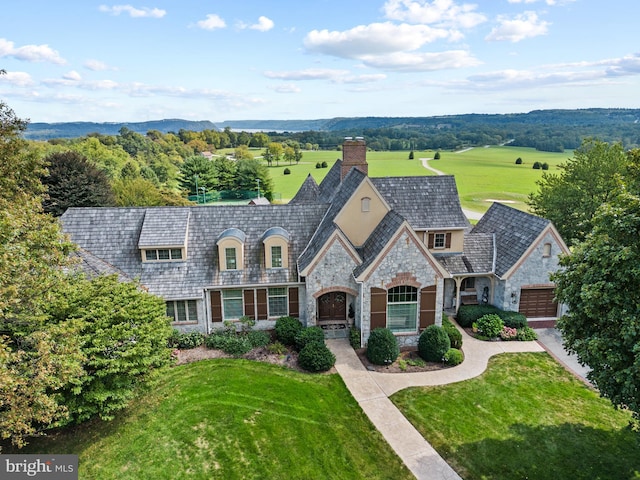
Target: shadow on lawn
[{"x": 566, "y": 451}]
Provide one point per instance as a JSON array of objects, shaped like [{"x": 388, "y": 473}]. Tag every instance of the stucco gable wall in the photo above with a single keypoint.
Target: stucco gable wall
[
  {"x": 534, "y": 269},
  {"x": 333, "y": 271},
  {"x": 403, "y": 264}
]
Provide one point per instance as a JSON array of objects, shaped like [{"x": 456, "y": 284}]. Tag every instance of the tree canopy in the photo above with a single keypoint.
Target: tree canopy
[
  {"x": 600, "y": 284},
  {"x": 586, "y": 181}
]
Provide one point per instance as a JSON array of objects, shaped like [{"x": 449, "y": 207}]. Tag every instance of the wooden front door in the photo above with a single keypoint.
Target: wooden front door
[{"x": 332, "y": 306}]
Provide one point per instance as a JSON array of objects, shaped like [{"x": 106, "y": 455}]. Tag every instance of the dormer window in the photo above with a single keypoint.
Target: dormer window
[
  {"x": 164, "y": 233},
  {"x": 276, "y": 248},
  {"x": 231, "y": 249},
  {"x": 365, "y": 204},
  {"x": 162, "y": 254},
  {"x": 438, "y": 241}
]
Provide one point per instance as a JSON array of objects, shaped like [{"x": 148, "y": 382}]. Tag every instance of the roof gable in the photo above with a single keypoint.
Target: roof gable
[
  {"x": 515, "y": 231},
  {"x": 164, "y": 227}
]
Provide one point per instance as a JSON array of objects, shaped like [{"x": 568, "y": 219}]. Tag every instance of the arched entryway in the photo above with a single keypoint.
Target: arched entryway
[{"x": 332, "y": 313}]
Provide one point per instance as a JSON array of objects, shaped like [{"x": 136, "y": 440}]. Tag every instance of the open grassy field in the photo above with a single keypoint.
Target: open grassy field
[
  {"x": 525, "y": 417},
  {"x": 482, "y": 174},
  {"x": 233, "y": 419}
]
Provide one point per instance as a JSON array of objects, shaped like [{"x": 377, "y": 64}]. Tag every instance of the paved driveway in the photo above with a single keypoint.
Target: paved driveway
[{"x": 551, "y": 341}]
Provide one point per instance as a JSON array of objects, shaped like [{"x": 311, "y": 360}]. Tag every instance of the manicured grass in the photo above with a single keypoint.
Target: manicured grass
[
  {"x": 482, "y": 174},
  {"x": 525, "y": 417},
  {"x": 234, "y": 419}
]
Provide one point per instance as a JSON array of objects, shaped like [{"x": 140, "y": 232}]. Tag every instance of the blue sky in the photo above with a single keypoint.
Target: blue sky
[{"x": 247, "y": 59}]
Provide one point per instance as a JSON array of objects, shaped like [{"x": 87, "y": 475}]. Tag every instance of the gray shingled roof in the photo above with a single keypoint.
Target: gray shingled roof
[
  {"x": 158, "y": 232},
  {"x": 378, "y": 240},
  {"x": 427, "y": 202},
  {"x": 309, "y": 192},
  {"x": 478, "y": 256},
  {"x": 326, "y": 228},
  {"x": 515, "y": 231},
  {"x": 331, "y": 182},
  {"x": 111, "y": 234},
  {"x": 93, "y": 266}
]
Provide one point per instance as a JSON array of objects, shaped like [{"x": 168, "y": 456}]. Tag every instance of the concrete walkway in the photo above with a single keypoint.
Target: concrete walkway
[{"x": 372, "y": 389}]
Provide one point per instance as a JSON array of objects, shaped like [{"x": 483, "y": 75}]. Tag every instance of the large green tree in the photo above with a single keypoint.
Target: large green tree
[
  {"x": 36, "y": 358},
  {"x": 586, "y": 181},
  {"x": 249, "y": 172},
  {"x": 72, "y": 181},
  {"x": 198, "y": 171},
  {"x": 123, "y": 334},
  {"x": 600, "y": 284}
]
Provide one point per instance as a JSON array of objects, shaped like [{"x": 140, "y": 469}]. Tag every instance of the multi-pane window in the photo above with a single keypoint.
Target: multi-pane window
[
  {"x": 232, "y": 304},
  {"x": 230, "y": 258},
  {"x": 439, "y": 240},
  {"x": 402, "y": 309},
  {"x": 161, "y": 254},
  {"x": 182, "y": 310},
  {"x": 278, "y": 302},
  {"x": 276, "y": 256}
]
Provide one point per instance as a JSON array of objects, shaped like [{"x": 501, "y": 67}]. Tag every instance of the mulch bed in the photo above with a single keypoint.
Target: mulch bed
[{"x": 406, "y": 354}]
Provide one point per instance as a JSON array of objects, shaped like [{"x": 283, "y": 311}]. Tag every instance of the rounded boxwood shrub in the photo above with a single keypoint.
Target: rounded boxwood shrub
[
  {"x": 382, "y": 347},
  {"x": 453, "y": 357},
  {"x": 308, "y": 335},
  {"x": 490, "y": 325},
  {"x": 286, "y": 329},
  {"x": 287, "y": 171},
  {"x": 433, "y": 343},
  {"x": 316, "y": 357}
]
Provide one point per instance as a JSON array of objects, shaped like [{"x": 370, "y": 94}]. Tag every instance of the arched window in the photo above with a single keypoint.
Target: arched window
[
  {"x": 231, "y": 249},
  {"x": 365, "y": 204},
  {"x": 402, "y": 309}
]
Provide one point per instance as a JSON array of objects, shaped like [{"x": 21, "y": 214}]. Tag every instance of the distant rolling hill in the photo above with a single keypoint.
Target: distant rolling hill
[{"x": 45, "y": 131}]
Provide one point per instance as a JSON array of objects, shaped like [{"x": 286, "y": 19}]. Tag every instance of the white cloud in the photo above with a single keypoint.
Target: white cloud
[
  {"x": 72, "y": 75},
  {"x": 30, "y": 53},
  {"x": 373, "y": 39},
  {"x": 97, "y": 66},
  {"x": 438, "y": 12},
  {"x": 286, "y": 88},
  {"x": 133, "y": 12},
  {"x": 520, "y": 27},
  {"x": 548, "y": 2},
  {"x": 422, "y": 61},
  {"x": 212, "y": 22},
  {"x": 307, "y": 74},
  {"x": 19, "y": 79},
  {"x": 264, "y": 24}
]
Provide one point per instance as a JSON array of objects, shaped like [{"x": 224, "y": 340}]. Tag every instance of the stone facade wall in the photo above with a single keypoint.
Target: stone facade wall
[
  {"x": 333, "y": 272},
  {"x": 403, "y": 258}
]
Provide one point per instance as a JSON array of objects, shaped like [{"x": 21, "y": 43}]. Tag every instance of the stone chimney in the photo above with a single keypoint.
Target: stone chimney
[{"x": 354, "y": 154}]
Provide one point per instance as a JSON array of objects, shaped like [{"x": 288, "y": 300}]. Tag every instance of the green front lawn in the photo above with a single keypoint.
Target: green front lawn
[
  {"x": 524, "y": 418},
  {"x": 234, "y": 419}
]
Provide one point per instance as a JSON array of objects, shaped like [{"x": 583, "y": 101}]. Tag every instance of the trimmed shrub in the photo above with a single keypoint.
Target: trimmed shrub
[
  {"x": 490, "y": 325},
  {"x": 354, "y": 337},
  {"x": 453, "y": 357},
  {"x": 537, "y": 165},
  {"x": 316, "y": 357},
  {"x": 411, "y": 155},
  {"x": 286, "y": 329},
  {"x": 467, "y": 314},
  {"x": 382, "y": 347},
  {"x": 236, "y": 345},
  {"x": 518, "y": 161},
  {"x": 526, "y": 334},
  {"x": 324, "y": 164},
  {"x": 308, "y": 335},
  {"x": 513, "y": 319},
  {"x": 436, "y": 156},
  {"x": 318, "y": 165},
  {"x": 287, "y": 171},
  {"x": 455, "y": 337},
  {"x": 258, "y": 338},
  {"x": 433, "y": 343},
  {"x": 545, "y": 166}
]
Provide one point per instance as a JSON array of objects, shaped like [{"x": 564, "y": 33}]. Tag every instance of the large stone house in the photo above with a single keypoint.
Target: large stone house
[{"x": 370, "y": 252}]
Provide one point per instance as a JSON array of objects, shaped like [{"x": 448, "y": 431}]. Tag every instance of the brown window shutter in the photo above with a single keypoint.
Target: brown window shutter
[
  {"x": 261, "y": 304},
  {"x": 430, "y": 240},
  {"x": 294, "y": 306},
  {"x": 378, "y": 308},
  {"x": 216, "y": 306},
  {"x": 447, "y": 240},
  {"x": 427, "y": 306},
  {"x": 249, "y": 304}
]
